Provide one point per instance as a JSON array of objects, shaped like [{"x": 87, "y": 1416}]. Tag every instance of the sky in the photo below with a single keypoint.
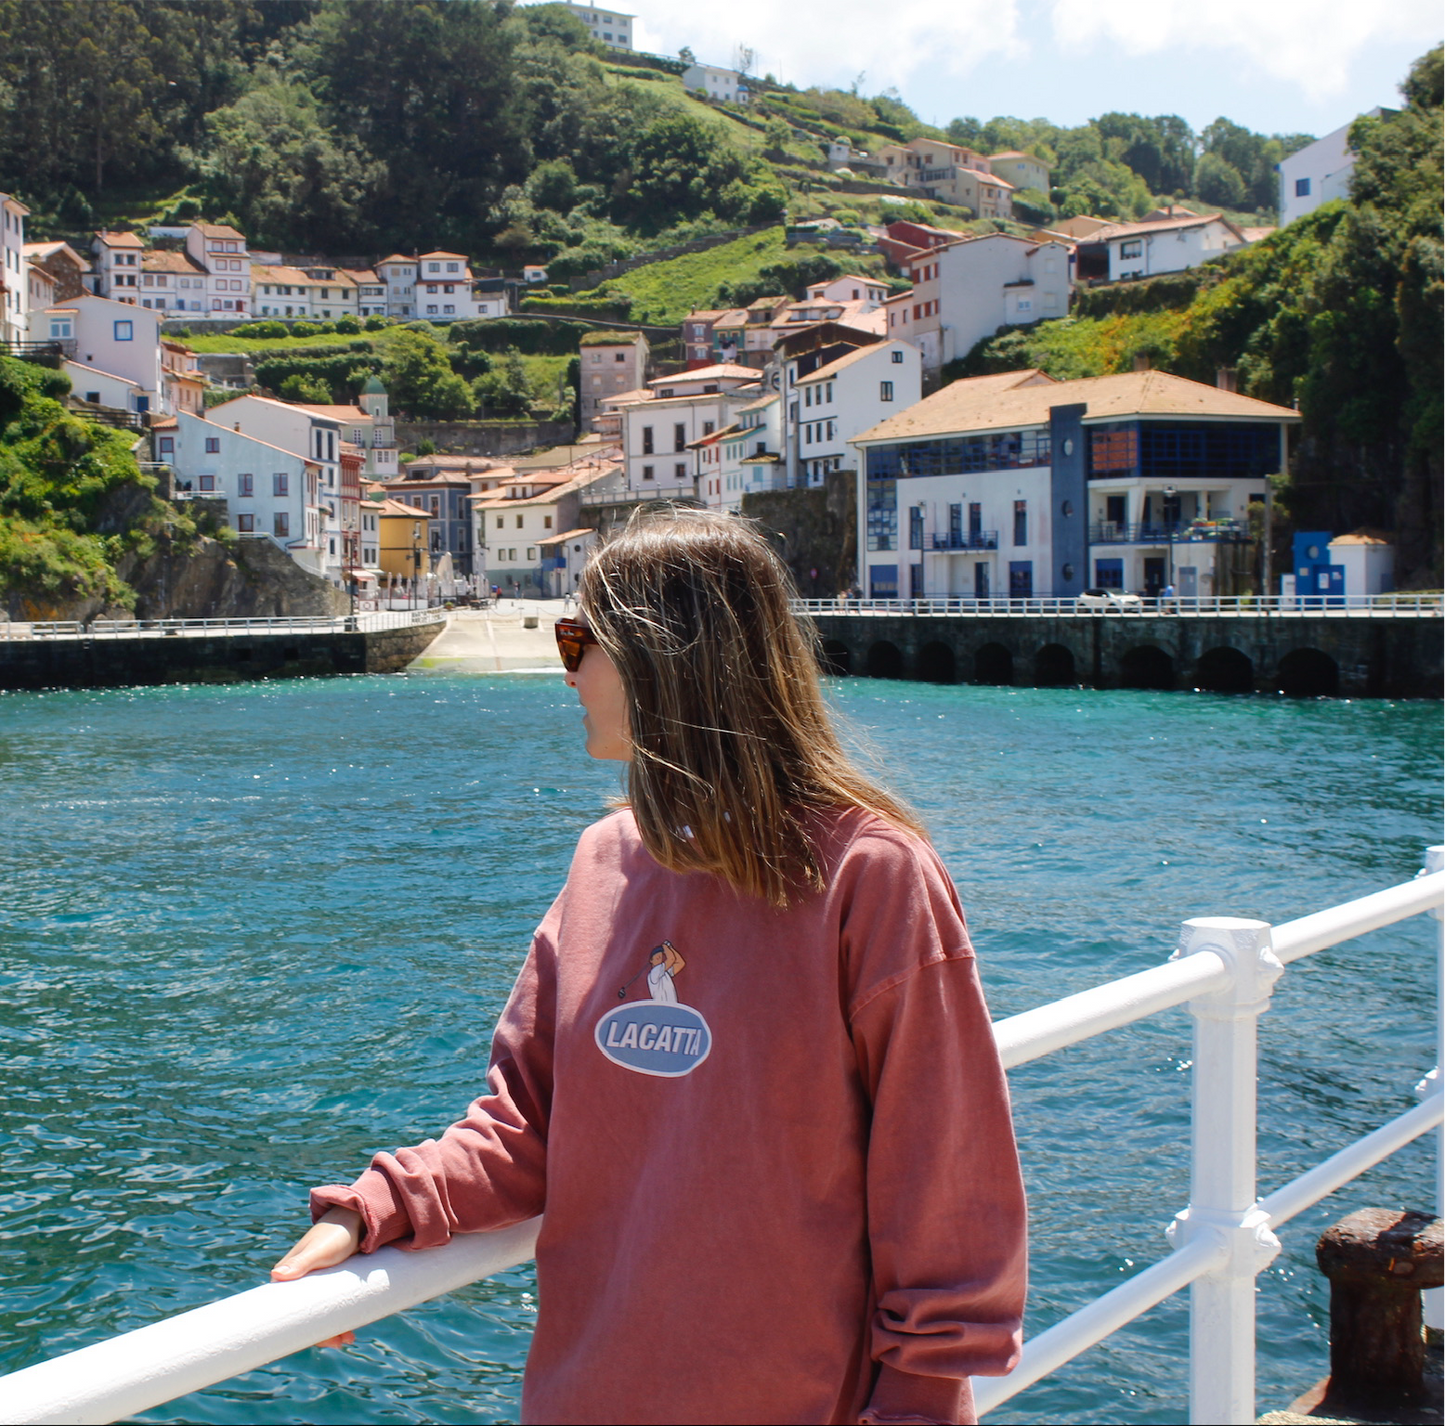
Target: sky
[{"x": 1275, "y": 66}]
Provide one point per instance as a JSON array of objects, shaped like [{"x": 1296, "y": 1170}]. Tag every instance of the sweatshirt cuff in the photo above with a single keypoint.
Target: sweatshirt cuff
[
  {"x": 900, "y": 1397},
  {"x": 383, "y": 1219}
]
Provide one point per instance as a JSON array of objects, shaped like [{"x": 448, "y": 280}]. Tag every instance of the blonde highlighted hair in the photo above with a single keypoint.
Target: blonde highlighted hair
[{"x": 733, "y": 747}]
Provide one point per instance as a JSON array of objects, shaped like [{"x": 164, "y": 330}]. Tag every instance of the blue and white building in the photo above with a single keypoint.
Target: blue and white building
[{"x": 1017, "y": 485}]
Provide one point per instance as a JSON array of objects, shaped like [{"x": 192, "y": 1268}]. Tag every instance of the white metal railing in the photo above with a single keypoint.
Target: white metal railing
[
  {"x": 1341, "y": 606},
  {"x": 151, "y": 628},
  {"x": 1223, "y": 970}
]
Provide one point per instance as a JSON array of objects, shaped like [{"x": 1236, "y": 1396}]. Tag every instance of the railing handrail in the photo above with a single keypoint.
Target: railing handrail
[
  {"x": 1150, "y": 606},
  {"x": 371, "y": 622},
  {"x": 145, "y": 1368}
]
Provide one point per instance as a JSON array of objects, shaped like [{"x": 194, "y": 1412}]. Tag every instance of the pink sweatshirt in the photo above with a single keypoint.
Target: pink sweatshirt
[{"x": 774, "y": 1148}]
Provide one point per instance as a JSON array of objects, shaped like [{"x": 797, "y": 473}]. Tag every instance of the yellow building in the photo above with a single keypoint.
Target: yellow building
[{"x": 401, "y": 537}]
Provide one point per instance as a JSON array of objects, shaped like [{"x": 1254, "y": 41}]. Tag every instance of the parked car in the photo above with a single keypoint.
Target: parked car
[{"x": 1110, "y": 599}]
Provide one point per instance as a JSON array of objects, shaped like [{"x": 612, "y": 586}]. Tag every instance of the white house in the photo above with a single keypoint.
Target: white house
[
  {"x": 172, "y": 282},
  {"x": 40, "y": 287},
  {"x": 111, "y": 338},
  {"x": 1368, "y": 560},
  {"x": 1017, "y": 485},
  {"x": 444, "y": 287},
  {"x": 117, "y": 269},
  {"x": 307, "y": 431},
  {"x": 830, "y": 405},
  {"x": 1121, "y": 251},
  {"x": 222, "y": 253},
  {"x": 964, "y": 292},
  {"x": 1318, "y": 172},
  {"x": 608, "y": 27},
  {"x": 745, "y": 457},
  {"x": 398, "y": 274},
  {"x": 524, "y": 529},
  {"x": 370, "y": 292},
  {"x": 14, "y": 276},
  {"x": 726, "y": 86},
  {"x": 850, "y": 288},
  {"x": 657, "y": 436},
  {"x": 270, "y": 492}
]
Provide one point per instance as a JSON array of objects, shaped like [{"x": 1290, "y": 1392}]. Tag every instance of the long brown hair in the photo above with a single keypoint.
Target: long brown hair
[{"x": 733, "y": 748}]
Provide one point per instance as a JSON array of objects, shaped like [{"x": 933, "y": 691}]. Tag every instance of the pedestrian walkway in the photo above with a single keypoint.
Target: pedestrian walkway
[{"x": 497, "y": 640}]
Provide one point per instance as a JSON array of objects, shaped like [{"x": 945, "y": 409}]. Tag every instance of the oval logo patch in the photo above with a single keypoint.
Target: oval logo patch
[{"x": 653, "y": 1037}]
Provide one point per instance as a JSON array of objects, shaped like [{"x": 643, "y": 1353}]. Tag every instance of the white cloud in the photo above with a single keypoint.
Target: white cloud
[
  {"x": 1306, "y": 43},
  {"x": 830, "y": 42}
]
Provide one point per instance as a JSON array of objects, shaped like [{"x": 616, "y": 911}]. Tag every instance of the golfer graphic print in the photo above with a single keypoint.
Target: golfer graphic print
[{"x": 659, "y": 1035}]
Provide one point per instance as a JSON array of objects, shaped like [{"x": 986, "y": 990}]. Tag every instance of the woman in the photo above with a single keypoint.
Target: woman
[{"x": 747, "y": 1068}]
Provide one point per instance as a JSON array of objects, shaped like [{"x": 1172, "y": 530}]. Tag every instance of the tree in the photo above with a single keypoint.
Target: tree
[
  {"x": 1217, "y": 181},
  {"x": 686, "y": 55},
  {"x": 306, "y": 389},
  {"x": 290, "y": 179},
  {"x": 420, "y": 380},
  {"x": 505, "y": 390}
]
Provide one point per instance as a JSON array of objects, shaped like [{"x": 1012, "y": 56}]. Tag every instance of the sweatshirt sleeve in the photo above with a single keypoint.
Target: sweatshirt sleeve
[
  {"x": 488, "y": 1170},
  {"x": 947, "y": 1221}
]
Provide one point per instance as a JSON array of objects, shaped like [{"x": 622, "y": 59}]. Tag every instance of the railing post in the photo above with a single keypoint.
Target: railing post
[
  {"x": 1433, "y": 1299},
  {"x": 1222, "y": 1199}
]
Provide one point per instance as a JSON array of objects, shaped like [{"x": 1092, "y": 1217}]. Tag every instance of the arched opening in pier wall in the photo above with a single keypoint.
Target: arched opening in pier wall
[
  {"x": 885, "y": 660},
  {"x": 993, "y": 664},
  {"x": 1308, "y": 673},
  {"x": 1224, "y": 670},
  {"x": 1146, "y": 666},
  {"x": 1054, "y": 667},
  {"x": 936, "y": 663},
  {"x": 837, "y": 658}
]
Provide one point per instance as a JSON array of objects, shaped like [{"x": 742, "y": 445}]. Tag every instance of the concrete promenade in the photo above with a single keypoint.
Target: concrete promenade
[{"x": 497, "y": 640}]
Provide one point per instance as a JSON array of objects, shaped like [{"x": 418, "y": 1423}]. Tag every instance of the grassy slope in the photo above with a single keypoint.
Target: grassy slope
[{"x": 665, "y": 292}]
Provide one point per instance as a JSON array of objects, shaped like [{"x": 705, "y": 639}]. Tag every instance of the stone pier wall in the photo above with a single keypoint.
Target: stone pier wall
[
  {"x": 1362, "y": 657},
  {"x": 209, "y": 658}
]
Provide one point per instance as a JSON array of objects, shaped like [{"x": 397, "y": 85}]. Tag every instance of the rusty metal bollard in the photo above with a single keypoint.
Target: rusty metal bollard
[{"x": 1378, "y": 1261}]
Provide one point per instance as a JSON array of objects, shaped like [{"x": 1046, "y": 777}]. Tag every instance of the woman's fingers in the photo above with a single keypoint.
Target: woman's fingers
[{"x": 331, "y": 1240}]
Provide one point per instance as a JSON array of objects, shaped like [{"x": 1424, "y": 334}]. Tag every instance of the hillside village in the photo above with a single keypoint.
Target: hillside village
[{"x": 852, "y": 409}]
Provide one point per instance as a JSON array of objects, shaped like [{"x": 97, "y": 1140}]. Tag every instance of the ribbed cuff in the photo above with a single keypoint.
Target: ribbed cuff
[
  {"x": 902, "y": 1399},
  {"x": 383, "y": 1219}
]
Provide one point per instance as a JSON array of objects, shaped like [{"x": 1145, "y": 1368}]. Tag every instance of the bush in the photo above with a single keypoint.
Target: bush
[
  {"x": 346, "y": 326},
  {"x": 305, "y": 329},
  {"x": 376, "y": 324},
  {"x": 262, "y": 330}
]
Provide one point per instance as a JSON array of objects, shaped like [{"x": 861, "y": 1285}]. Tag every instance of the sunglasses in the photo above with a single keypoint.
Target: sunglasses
[{"x": 572, "y": 641}]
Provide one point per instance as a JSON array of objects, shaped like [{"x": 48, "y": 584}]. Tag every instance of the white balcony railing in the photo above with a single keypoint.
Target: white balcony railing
[
  {"x": 1242, "y": 606},
  {"x": 151, "y": 628},
  {"x": 1224, "y": 971}
]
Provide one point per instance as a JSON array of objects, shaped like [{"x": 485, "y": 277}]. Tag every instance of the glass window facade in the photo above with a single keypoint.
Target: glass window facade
[
  {"x": 960, "y": 455},
  {"x": 882, "y": 515},
  {"x": 1164, "y": 450}
]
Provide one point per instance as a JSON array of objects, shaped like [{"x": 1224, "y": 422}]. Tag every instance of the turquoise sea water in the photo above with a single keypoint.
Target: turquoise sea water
[{"x": 252, "y": 934}]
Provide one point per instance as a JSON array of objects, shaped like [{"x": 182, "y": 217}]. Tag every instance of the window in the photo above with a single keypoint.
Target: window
[
  {"x": 915, "y": 527},
  {"x": 680, "y": 470},
  {"x": 619, "y": 356},
  {"x": 436, "y": 506},
  {"x": 246, "y": 524},
  {"x": 1021, "y": 522},
  {"x": 975, "y": 521},
  {"x": 500, "y": 522},
  {"x": 546, "y": 522},
  {"x": 519, "y": 522},
  {"x": 125, "y": 331},
  {"x": 61, "y": 327},
  {"x": 213, "y": 445},
  {"x": 707, "y": 428},
  {"x": 679, "y": 437},
  {"x": 166, "y": 445},
  {"x": 807, "y": 396},
  {"x": 281, "y": 524},
  {"x": 647, "y": 440},
  {"x": 647, "y": 472},
  {"x": 885, "y": 391},
  {"x": 245, "y": 485},
  {"x": 1132, "y": 249},
  {"x": 208, "y": 483},
  {"x": 281, "y": 484},
  {"x": 1301, "y": 188},
  {"x": 531, "y": 552}
]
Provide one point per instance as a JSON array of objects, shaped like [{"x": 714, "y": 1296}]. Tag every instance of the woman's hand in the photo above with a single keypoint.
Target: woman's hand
[{"x": 333, "y": 1238}]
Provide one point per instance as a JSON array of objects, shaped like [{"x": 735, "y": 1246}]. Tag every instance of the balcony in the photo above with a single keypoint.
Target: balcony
[
  {"x": 974, "y": 540},
  {"x": 57, "y": 349},
  {"x": 1109, "y": 533},
  {"x": 682, "y": 493}
]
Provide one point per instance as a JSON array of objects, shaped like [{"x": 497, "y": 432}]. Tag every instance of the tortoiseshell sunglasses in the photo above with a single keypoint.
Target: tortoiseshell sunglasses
[{"x": 572, "y": 641}]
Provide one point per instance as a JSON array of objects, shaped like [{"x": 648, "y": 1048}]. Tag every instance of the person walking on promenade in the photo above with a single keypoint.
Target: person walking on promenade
[{"x": 747, "y": 1068}]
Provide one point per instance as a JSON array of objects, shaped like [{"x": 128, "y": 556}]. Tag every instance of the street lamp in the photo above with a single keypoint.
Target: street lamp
[
  {"x": 1170, "y": 527},
  {"x": 415, "y": 561}
]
